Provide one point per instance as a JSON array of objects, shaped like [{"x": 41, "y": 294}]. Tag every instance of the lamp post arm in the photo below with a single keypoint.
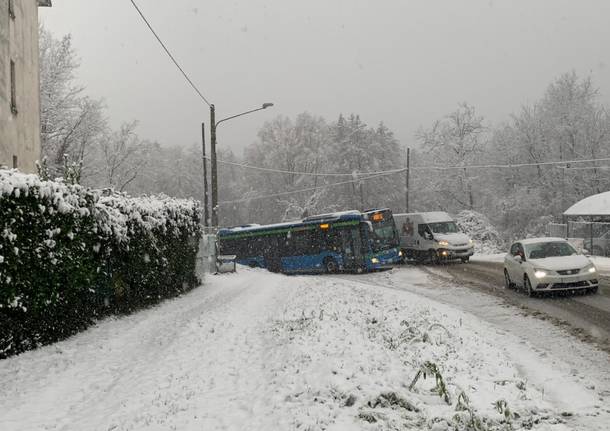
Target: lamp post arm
[{"x": 238, "y": 115}]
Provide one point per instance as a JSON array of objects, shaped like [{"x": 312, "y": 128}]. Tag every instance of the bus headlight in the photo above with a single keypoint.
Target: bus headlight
[{"x": 374, "y": 260}]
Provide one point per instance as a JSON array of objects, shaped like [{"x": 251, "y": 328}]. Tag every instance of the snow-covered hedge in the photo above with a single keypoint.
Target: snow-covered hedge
[
  {"x": 69, "y": 255},
  {"x": 481, "y": 231}
]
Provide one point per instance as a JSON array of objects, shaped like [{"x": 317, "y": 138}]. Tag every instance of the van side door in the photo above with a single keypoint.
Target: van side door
[{"x": 425, "y": 238}]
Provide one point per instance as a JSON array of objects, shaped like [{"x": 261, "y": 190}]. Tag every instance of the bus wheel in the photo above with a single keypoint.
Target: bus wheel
[{"x": 330, "y": 265}]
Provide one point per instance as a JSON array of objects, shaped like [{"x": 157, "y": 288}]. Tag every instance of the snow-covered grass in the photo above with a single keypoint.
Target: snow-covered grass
[{"x": 256, "y": 350}]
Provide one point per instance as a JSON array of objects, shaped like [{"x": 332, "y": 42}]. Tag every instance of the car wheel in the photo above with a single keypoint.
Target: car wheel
[
  {"x": 433, "y": 257},
  {"x": 507, "y": 283},
  {"x": 528, "y": 287},
  {"x": 466, "y": 259},
  {"x": 331, "y": 265},
  {"x": 594, "y": 290}
]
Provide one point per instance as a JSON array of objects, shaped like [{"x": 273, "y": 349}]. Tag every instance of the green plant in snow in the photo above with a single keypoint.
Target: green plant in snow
[
  {"x": 503, "y": 409},
  {"x": 472, "y": 421},
  {"x": 430, "y": 368}
]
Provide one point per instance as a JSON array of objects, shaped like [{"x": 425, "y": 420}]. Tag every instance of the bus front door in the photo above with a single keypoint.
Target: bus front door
[{"x": 352, "y": 249}]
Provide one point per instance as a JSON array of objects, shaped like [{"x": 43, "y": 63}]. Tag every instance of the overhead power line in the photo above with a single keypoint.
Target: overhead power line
[
  {"x": 510, "y": 165},
  {"x": 397, "y": 170},
  {"x": 170, "y": 54},
  {"x": 312, "y": 174},
  {"x": 392, "y": 172},
  {"x": 254, "y": 198},
  {"x": 582, "y": 168}
]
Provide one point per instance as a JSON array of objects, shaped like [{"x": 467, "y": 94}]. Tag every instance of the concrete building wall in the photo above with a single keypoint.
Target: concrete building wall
[{"x": 20, "y": 129}]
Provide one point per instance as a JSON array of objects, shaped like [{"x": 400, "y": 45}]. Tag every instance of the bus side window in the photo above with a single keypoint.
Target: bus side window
[
  {"x": 299, "y": 244},
  {"x": 317, "y": 243}
]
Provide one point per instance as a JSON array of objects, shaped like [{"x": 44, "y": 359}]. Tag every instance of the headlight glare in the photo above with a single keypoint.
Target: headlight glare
[
  {"x": 539, "y": 273},
  {"x": 443, "y": 242},
  {"x": 374, "y": 260},
  {"x": 592, "y": 269}
]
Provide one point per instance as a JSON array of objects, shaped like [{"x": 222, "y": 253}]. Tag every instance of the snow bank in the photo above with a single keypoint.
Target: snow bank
[
  {"x": 350, "y": 356},
  {"x": 260, "y": 351}
]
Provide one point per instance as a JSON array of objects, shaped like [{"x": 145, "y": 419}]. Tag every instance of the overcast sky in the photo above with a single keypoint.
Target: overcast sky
[{"x": 406, "y": 63}]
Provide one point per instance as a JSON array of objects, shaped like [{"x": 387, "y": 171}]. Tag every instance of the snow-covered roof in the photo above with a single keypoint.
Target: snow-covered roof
[
  {"x": 347, "y": 215},
  {"x": 337, "y": 214},
  {"x": 430, "y": 217},
  {"x": 596, "y": 205}
]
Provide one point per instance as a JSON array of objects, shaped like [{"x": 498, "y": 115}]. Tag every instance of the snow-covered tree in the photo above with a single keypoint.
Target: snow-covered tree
[
  {"x": 455, "y": 140},
  {"x": 71, "y": 122}
]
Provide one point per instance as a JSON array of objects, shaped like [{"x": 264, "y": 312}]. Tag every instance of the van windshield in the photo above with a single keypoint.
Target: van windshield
[{"x": 444, "y": 227}]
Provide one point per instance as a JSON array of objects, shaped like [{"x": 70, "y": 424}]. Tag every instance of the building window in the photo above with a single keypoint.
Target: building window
[
  {"x": 15, "y": 164},
  {"x": 11, "y": 9},
  {"x": 13, "y": 89}
]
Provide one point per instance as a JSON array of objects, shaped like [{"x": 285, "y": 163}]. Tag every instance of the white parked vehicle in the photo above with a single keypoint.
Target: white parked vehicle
[
  {"x": 432, "y": 236},
  {"x": 539, "y": 265}
]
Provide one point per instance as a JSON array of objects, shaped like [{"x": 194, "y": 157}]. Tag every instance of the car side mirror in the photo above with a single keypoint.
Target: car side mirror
[
  {"x": 518, "y": 258},
  {"x": 428, "y": 236}
]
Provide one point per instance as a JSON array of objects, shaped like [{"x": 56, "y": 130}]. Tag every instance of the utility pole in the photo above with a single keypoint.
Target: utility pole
[
  {"x": 407, "y": 179},
  {"x": 214, "y": 166},
  {"x": 206, "y": 215}
]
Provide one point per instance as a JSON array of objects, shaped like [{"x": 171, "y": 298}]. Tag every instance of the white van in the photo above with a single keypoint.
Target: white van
[{"x": 432, "y": 236}]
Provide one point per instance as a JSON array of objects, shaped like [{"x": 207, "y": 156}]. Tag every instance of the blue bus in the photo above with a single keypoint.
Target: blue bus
[{"x": 346, "y": 241}]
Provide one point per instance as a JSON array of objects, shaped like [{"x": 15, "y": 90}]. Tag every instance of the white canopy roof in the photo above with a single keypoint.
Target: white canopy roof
[{"x": 596, "y": 205}]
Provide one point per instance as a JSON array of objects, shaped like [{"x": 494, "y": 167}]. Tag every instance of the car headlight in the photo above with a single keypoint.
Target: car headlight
[
  {"x": 590, "y": 269},
  {"x": 471, "y": 242},
  {"x": 540, "y": 273},
  {"x": 374, "y": 260},
  {"x": 443, "y": 243},
  {"x": 400, "y": 253}
]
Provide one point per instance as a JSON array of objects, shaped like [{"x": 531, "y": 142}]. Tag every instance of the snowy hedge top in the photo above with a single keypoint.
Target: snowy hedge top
[{"x": 116, "y": 213}]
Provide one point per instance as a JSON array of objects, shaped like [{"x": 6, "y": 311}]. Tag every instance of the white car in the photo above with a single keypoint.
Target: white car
[{"x": 541, "y": 265}]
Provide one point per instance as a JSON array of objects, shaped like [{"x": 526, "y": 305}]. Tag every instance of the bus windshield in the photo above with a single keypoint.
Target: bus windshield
[{"x": 384, "y": 235}]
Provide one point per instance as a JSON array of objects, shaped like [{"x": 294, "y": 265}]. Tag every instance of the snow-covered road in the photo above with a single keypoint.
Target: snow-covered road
[{"x": 261, "y": 351}]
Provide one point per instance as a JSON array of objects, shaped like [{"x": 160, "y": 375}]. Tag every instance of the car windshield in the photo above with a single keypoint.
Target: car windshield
[
  {"x": 541, "y": 250},
  {"x": 444, "y": 227}
]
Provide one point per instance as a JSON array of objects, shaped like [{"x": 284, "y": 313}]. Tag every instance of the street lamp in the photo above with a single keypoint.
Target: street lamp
[{"x": 213, "y": 125}]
